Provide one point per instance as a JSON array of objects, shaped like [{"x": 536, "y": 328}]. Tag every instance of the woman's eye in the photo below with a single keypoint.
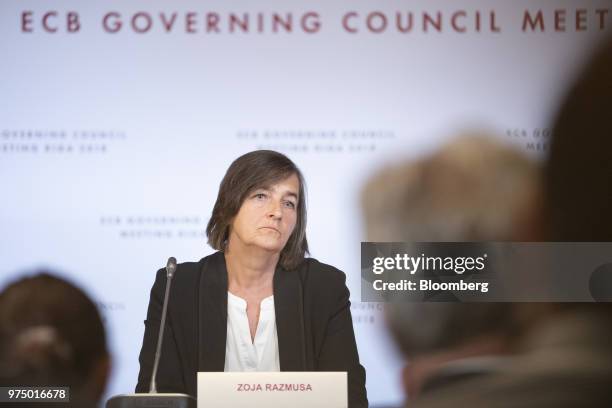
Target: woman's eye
[
  {"x": 259, "y": 196},
  {"x": 289, "y": 204}
]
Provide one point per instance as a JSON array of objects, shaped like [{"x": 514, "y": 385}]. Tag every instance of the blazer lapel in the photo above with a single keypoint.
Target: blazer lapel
[
  {"x": 287, "y": 303},
  {"x": 212, "y": 331}
]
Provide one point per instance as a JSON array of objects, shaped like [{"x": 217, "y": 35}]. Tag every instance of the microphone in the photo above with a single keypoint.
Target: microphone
[
  {"x": 153, "y": 398},
  {"x": 170, "y": 269}
]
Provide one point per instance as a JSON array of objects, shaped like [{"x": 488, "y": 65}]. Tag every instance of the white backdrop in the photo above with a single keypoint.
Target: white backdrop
[{"x": 118, "y": 120}]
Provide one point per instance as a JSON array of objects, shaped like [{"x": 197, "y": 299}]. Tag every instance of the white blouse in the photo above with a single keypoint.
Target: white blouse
[{"x": 241, "y": 354}]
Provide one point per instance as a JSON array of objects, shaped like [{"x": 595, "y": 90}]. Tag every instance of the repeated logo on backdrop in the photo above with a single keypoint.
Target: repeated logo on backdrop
[
  {"x": 532, "y": 140},
  {"x": 59, "y": 141},
  {"x": 317, "y": 141}
]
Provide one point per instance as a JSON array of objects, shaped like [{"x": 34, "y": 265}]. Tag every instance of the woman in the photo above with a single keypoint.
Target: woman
[{"x": 258, "y": 304}]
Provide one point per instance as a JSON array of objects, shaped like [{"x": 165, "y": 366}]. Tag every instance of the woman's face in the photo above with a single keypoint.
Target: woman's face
[{"x": 267, "y": 216}]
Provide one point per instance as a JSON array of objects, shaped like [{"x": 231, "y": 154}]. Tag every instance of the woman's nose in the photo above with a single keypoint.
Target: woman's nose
[{"x": 275, "y": 209}]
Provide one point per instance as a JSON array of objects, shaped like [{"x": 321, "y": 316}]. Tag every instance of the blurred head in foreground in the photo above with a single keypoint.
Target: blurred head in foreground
[
  {"x": 578, "y": 173},
  {"x": 564, "y": 358},
  {"x": 474, "y": 188},
  {"x": 577, "y": 198},
  {"x": 52, "y": 334},
  {"x": 577, "y": 189}
]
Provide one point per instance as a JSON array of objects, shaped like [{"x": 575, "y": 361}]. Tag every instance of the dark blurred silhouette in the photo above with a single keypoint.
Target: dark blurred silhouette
[
  {"x": 578, "y": 172},
  {"x": 565, "y": 352},
  {"x": 474, "y": 188},
  {"x": 51, "y": 334}
]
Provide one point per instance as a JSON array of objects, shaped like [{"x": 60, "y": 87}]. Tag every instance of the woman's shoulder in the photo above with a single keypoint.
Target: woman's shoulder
[
  {"x": 189, "y": 271},
  {"x": 320, "y": 273},
  {"x": 183, "y": 270},
  {"x": 324, "y": 286}
]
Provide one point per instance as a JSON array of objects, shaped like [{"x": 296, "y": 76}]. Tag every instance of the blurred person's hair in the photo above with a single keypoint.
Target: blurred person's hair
[
  {"x": 578, "y": 172},
  {"x": 577, "y": 199},
  {"x": 52, "y": 335},
  {"x": 472, "y": 189},
  {"x": 253, "y": 170}
]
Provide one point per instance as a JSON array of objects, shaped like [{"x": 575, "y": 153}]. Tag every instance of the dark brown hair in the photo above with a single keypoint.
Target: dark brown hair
[
  {"x": 257, "y": 169},
  {"x": 578, "y": 172},
  {"x": 51, "y": 332}
]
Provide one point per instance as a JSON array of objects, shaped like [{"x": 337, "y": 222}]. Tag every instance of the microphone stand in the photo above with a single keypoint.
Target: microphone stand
[
  {"x": 170, "y": 269},
  {"x": 153, "y": 398}
]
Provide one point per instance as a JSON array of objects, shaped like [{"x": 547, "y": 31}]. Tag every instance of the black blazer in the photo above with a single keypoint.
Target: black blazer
[{"x": 313, "y": 323}]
